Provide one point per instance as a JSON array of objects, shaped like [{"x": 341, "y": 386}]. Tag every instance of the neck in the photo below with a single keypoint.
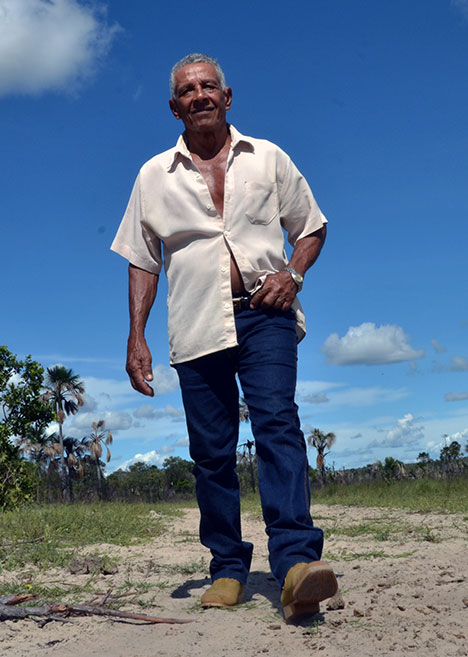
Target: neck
[{"x": 207, "y": 144}]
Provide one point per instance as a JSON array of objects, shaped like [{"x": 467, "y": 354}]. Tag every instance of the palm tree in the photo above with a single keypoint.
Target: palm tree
[
  {"x": 244, "y": 413},
  {"x": 392, "y": 468},
  {"x": 244, "y": 416},
  {"x": 42, "y": 451},
  {"x": 74, "y": 451},
  {"x": 321, "y": 442},
  {"x": 64, "y": 390},
  {"x": 94, "y": 442}
]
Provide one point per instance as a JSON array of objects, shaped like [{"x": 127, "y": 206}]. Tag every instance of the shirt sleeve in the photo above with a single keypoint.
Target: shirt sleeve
[
  {"x": 134, "y": 240},
  {"x": 300, "y": 215}
]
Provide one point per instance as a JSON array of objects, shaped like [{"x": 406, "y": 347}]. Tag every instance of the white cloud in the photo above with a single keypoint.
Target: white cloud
[
  {"x": 459, "y": 364},
  {"x": 459, "y": 436},
  {"x": 182, "y": 442},
  {"x": 165, "y": 380},
  {"x": 90, "y": 404},
  {"x": 317, "y": 398},
  {"x": 146, "y": 411},
  {"x": 456, "y": 396},
  {"x": 50, "y": 44},
  {"x": 367, "y": 396},
  {"x": 114, "y": 420},
  {"x": 151, "y": 413},
  {"x": 368, "y": 344},
  {"x": 405, "y": 432},
  {"x": 438, "y": 347},
  {"x": 314, "y": 392},
  {"x": 154, "y": 457}
]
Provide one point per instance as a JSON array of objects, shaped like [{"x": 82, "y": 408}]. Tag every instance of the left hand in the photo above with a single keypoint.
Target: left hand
[{"x": 278, "y": 292}]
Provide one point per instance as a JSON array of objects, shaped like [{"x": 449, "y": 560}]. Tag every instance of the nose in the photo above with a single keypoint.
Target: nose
[{"x": 200, "y": 92}]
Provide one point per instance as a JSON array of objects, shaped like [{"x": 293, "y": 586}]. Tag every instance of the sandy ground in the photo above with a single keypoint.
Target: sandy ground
[{"x": 403, "y": 578}]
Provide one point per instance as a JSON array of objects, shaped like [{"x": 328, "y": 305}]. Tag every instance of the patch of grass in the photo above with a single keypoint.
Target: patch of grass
[
  {"x": 187, "y": 568},
  {"x": 314, "y": 628},
  {"x": 425, "y": 495},
  {"x": 188, "y": 537},
  {"x": 51, "y": 591},
  {"x": 428, "y": 535},
  {"x": 65, "y": 528},
  {"x": 378, "y": 530},
  {"x": 348, "y": 555},
  {"x": 251, "y": 504}
]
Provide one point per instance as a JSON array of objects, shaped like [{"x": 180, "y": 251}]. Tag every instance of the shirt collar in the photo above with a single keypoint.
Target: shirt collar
[{"x": 181, "y": 150}]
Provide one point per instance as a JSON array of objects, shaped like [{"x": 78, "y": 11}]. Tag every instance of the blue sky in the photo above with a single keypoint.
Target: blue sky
[{"x": 369, "y": 98}]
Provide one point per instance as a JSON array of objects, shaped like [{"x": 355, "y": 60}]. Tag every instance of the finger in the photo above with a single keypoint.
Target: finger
[
  {"x": 256, "y": 300},
  {"x": 140, "y": 385}
]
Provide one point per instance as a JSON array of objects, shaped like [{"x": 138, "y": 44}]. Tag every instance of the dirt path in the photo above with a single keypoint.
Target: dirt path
[{"x": 403, "y": 577}]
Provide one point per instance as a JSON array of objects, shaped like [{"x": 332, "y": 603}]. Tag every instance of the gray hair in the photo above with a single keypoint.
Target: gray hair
[{"x": 193, "y": 58}]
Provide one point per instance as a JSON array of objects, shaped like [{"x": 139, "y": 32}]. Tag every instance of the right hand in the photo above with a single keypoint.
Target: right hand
[{"x": 139, "y": 365}]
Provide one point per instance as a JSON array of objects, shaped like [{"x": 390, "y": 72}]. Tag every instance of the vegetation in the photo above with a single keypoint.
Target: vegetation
[
  {"x": 322, "y": 443},
  {"x": 64, "y": 391},
  {"x": 97, "y": 438},
  {"x": 23, "y": 417},
  {"x": 55, "y": 468},
  {"x": 426, "y": 495},
  {"x": 60, "y": 529}
]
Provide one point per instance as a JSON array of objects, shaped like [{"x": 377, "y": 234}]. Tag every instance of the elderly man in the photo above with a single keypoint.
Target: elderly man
[{"x": 217, "y": 202}]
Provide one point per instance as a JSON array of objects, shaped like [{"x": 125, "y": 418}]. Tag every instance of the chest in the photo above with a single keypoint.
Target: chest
[{"x": 213, "y": 172}]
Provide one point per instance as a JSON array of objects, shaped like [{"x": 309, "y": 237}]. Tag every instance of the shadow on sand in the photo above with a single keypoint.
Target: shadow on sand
[{"x": 259, "y": 583}]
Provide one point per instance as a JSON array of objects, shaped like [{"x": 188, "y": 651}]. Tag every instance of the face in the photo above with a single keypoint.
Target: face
[{"x": 199, "y": 100}]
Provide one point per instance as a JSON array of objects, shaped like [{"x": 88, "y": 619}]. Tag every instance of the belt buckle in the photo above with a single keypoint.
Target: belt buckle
[{"x": 241, "y": 303}]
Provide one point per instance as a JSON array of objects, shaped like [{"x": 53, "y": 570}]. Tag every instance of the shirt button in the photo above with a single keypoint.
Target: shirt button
[
  {"x": 227, "y": 306},
  {"x": 223, "y": 269}
]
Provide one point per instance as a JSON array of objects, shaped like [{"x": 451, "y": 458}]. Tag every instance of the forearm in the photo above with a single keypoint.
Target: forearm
[
  {"x": 307, "y": 250},
  {"x": 279, "y": 290},
  {"x": 142, "y": 288},
  {"x": 141, "y": 294}
]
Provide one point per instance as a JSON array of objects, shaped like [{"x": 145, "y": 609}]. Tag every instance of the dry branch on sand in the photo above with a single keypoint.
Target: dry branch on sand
[{"x": 9, "y": 610}]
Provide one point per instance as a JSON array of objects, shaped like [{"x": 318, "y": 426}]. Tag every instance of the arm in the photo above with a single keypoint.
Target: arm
[
  {"x": 142, "y": 290},
  {"x": 279, "y": 290}
]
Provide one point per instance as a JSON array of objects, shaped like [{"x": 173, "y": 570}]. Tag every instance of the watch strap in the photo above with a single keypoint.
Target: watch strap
[{"x": 296, "y": 276}]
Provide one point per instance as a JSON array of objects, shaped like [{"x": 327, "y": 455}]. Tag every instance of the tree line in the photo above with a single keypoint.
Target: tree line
[{"x": 36, "y": 465}]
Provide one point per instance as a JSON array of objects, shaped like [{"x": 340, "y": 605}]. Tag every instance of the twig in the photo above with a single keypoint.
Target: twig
[
  {"x": 13, "y": 543},
  {"x": 11, "y": 610},
  {"x": 105, "y": 598},
  {"x": 103, "y": 611},
  {"x": 16, "y": 599}
]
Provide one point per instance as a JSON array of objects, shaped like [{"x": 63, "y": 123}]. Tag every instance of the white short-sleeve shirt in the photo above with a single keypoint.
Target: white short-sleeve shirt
[{"x": 171, "y": 220}]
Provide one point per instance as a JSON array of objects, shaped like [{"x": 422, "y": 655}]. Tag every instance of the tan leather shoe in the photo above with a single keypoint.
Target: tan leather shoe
[
  {"x": 305, "y": 585},
  {"x": 224, "y": 592}
]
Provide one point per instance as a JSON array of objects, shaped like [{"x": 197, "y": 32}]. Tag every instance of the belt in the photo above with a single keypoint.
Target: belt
[{"x": 241, "y": 303}]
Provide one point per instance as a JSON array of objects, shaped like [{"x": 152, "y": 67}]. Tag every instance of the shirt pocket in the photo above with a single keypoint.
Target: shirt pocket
[{"x": 260, "y": 201}]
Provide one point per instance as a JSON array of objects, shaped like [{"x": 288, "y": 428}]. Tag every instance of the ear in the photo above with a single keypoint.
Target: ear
[
  {"x": 227, "y": 97},
  {"x": 174, "y": 108}
]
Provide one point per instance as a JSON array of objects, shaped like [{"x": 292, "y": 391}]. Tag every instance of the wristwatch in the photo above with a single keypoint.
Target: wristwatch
[{"x": 296, "y": 276}]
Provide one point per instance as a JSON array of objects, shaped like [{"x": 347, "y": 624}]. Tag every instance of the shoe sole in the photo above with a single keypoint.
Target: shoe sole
[{"x": 318, "y": 582}]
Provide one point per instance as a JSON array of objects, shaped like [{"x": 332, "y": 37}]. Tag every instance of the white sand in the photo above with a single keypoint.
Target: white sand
[{"x": 411, "y": 599}]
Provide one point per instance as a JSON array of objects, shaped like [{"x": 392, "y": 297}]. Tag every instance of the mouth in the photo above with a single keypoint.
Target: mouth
[{"x": 205, "y": 110}]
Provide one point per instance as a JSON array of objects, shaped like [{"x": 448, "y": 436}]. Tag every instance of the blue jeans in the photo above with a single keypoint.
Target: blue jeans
[{"x": 266, "y": 362}]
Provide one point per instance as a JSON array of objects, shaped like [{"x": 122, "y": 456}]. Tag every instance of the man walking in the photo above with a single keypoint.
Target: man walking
[{"x": 216, "y": 203}]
